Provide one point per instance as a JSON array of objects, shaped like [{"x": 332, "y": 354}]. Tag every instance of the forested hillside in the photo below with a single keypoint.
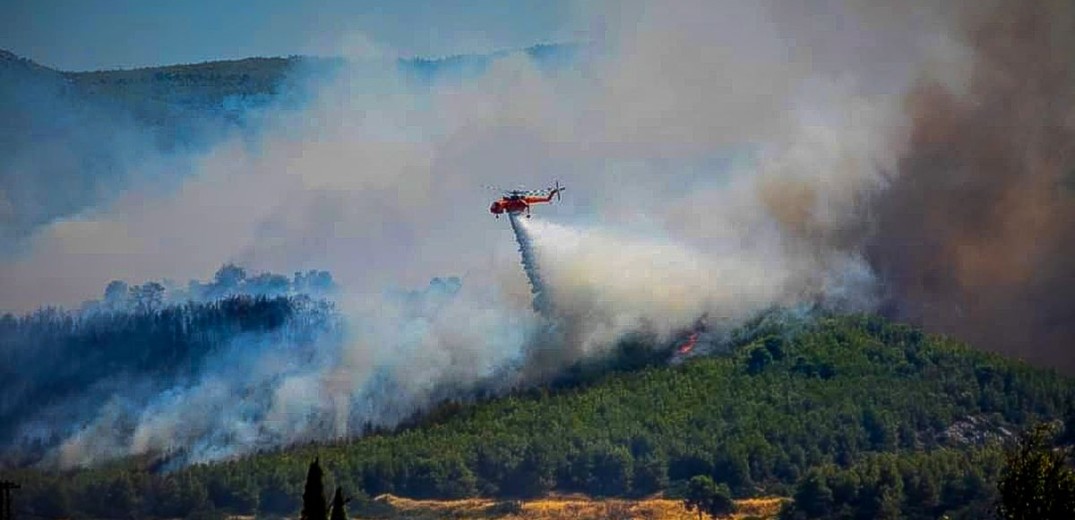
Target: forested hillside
[
  {"x": 905, "y": 422},
  {"x": 63, "y": 368},
  {"x": 188, "y": 100}
]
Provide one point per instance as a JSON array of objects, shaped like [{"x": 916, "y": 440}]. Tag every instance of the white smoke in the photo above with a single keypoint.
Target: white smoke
[
  {"x": 718, "y": 154},
  {"x": 619, "y": 283}
]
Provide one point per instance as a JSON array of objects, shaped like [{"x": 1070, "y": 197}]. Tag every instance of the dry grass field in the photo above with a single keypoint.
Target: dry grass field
[{"x": 568, "y": 507}]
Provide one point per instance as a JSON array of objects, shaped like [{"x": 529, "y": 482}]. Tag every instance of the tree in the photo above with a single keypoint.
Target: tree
[
  {"x": 650, "y": 475},
  {"x": 112, "y": 499},
  {"x": 707, "y": 497},
  {"x": 881, "y": 497},
  {"x": 813, "y": 496},
  {"x": 229, "y": 276},
  {"x": 276, "y": 497},
  {"x": 1035, "y": 482},
  {"x": 51, "y": 502},
  {"x": 339, "y": 505},
  {"x": 313, "y": 282},
  {"x": 611, "y": 471},
  {"x": 532, "y": 476},
  {"x": 313, "y": 497},
  {"x": 147, "y": 297},
  {"x": 226, "y": 281},
  {"x": 235, "y": 493},
  {"x": 1067, "y": 436},
  {"x": 760, "y": 357},
  {"x": 116, "y": 295},
  {"x": 268, "y": 284}
]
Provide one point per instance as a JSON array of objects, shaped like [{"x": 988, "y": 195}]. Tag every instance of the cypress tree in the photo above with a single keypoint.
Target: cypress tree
[
  {"x": 313, "y": 497},
  {"x": 339, "y": 508}
]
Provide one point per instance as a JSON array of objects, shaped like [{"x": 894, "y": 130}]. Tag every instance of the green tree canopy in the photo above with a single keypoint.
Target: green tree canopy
[
  {"x": 1036, "y": 483},
  {"x": 707, "y": 497}
]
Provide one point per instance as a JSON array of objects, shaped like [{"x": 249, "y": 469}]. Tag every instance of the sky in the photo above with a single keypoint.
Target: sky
[{"x": 79, "y": 35}]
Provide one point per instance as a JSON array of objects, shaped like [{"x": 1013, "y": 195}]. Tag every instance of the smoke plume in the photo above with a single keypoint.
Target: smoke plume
[
  {"x": 976, "y": 233},
  {"x": 725, "y": 158}
]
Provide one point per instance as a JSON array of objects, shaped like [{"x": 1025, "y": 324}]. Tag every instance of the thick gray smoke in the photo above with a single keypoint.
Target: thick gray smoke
[
  {"x": 975, "y": 237},
  {"x": 725, "y": 157}
]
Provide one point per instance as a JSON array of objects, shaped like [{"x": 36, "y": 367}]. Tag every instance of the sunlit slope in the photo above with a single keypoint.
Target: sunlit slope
[{"x": 580, "y": 508}]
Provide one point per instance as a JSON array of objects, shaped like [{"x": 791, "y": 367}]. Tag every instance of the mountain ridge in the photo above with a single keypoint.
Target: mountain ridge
[{"x": 538, "y": 51}]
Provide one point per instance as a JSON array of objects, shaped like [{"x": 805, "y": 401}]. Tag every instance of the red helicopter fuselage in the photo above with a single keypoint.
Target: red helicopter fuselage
[{"x": 515, "y": 204}]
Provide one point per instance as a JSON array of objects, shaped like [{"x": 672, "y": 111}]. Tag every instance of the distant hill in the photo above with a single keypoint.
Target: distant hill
[
  {"x": 11, "y": 61},
  {"x": 175, "y": 95},
  {"x": 165, "y": 95},
  {"x": 70, "y": 140},
  {"x": 903, "y": 421}
]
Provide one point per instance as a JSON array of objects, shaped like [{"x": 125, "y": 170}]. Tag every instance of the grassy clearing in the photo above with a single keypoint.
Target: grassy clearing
[{"x": 567, "y": 507}]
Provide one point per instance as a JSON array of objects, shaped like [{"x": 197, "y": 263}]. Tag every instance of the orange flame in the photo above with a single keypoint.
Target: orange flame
[{"x": 687, "y": 347}]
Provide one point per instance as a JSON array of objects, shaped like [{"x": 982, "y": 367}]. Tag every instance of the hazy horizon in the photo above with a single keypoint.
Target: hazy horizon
[{"x": 107, "y": 35}]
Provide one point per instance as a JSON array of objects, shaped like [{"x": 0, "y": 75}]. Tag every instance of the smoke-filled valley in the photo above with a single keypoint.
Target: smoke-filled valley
[{"x": 726, "y": 161}]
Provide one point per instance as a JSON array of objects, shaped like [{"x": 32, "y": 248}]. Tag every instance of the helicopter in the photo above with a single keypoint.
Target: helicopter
[{"x": 515, "y": 202}]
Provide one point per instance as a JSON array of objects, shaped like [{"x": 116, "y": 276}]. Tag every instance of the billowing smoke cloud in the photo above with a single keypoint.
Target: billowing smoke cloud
[
  {"x": 724, "y": 158},
  {"x": 262, "y": 391},
  {"x": 604, "y": 285},
  {"x": 975, "y": 236},
  {"x": 60, "y": 152}
]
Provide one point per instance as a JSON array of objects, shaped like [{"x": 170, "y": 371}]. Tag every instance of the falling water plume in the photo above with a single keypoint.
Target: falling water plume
[{"x": 526, "y": 250}]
